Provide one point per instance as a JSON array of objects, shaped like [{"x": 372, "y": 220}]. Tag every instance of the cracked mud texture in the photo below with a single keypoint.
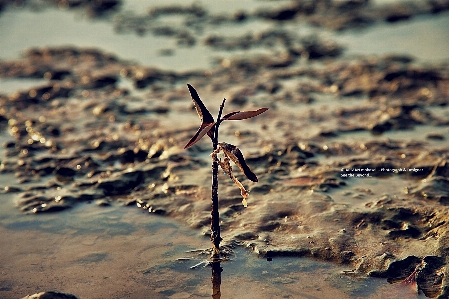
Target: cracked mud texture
[{"x": 330, "y": 186}]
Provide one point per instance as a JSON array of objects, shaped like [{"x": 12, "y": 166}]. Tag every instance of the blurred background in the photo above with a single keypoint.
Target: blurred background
[{"x": 183, "y": 35}]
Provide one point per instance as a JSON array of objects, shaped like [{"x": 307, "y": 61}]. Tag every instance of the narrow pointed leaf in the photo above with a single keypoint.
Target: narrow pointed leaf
[
  {"x": 199, "y": 134},
  {"x": 236, "y": 156},
  {"x": 202, "y": 111},
  {"x": 238, "y": 115},
  {"x": 207, "y": 121},
  {"x": 210, "y": 133}
]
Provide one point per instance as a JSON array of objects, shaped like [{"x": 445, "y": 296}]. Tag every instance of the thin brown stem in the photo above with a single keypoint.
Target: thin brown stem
[{"x": 215, "y": 216}]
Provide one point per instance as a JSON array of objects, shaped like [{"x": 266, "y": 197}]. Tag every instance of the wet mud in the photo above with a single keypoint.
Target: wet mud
[{"x": 351, "y": 156}]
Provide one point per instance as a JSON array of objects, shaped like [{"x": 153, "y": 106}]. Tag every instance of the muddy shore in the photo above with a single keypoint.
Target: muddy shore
[{"x": 351, "y": 155}]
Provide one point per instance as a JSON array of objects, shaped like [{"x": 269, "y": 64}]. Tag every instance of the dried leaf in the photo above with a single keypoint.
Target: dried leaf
[
  {"x": 238, "y": 115},
  {"x": 201, "y": 109},
  {"x": 207, "y": 121},
  {"x": 226, "y": 166},
  {"x": 199, "y": 134},
  {"x": 236, "y": 156},
  {"x": 210, "y": 133}
]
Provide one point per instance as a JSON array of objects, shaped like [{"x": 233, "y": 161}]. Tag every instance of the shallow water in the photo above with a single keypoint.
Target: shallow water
[
  {"x": 8, "y": 86},
  {"x": 423, "y": 37},
  {"x": 119, "y": 252},
  {"x": 74, "y": 28},
  {"x": 412, "y": 37}
]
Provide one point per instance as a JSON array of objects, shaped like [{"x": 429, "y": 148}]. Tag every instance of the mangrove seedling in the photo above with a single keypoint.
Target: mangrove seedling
[{"x": 210, "y": 127}]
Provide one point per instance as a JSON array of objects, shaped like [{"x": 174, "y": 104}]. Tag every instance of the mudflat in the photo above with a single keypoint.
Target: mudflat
[{"x": 351, "y": 156}]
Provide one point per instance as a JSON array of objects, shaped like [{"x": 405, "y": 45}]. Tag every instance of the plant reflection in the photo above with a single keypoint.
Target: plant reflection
[{"x": 216, "y": 279}]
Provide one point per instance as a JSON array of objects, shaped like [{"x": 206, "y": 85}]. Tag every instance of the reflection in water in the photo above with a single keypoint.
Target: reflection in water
[{"x": 216, "y": 280}]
